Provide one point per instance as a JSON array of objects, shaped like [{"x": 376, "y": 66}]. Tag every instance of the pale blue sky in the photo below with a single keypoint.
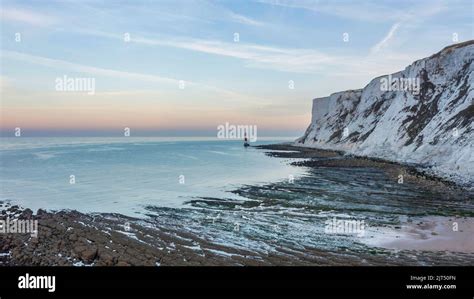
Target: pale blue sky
[{"x": 244, "y": 82}]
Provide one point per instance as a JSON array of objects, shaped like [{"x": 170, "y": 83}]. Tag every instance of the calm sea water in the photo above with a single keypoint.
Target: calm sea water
[
  {"x": 140, "y": 177},
  {"x": 124, "y": 175}
]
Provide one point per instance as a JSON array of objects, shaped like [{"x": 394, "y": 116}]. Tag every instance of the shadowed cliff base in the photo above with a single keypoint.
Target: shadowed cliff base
[{"x": 411, "y": 173}]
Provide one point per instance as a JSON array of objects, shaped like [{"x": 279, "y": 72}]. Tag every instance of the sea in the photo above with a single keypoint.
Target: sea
[{"x": 125, "y": 174}]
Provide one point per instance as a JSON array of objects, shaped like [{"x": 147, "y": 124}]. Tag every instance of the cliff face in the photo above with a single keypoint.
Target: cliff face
[{"x": 424, "y": 115}]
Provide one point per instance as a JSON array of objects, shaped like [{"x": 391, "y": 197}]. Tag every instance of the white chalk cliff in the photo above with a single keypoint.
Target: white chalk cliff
[{"x": 431, "y": 128}]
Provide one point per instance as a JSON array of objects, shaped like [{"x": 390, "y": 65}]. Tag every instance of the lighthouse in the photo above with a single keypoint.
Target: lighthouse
[{"x": 246, "y": 141}]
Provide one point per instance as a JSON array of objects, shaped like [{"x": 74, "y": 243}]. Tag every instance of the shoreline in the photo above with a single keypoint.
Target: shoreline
[
  {"x": 71, "y": 238},
  {"x": 411, "y": 173}
]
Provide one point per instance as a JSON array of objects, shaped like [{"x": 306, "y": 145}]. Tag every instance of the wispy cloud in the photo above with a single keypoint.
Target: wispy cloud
[
  {"x": 244, "y": 20},
  {"x": 61, "y": 64},
  {"x": 408, "y": 19},
  {"x": 227, "y": 95},
  {"x": 376, "y": 48},
  {"x": 367, "y": 11},
  {"x": 292, "y": 60},
  {"x": 27, "y": 16},
  {"x": 254, "y": 55},
  {"x": 373, "y": 11}
]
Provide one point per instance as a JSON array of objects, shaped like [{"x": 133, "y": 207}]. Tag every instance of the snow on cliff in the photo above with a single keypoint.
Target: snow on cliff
[{"x": 423, "y": 116}]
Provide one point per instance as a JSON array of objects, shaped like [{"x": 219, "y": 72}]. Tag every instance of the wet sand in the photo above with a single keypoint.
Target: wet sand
[{"x": 427, "y": 233}]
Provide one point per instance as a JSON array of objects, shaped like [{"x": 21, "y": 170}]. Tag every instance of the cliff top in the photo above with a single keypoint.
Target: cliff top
[{"x": 445, "y": 50}]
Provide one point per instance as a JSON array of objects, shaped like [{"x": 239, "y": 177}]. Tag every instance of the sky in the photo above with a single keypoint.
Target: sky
[{"x": 182, "y": 68}]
